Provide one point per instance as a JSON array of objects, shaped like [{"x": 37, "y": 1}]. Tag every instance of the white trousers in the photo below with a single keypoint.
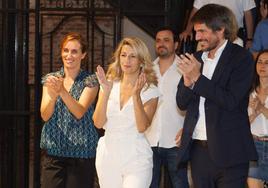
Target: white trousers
[{"x": 124, "y": 162}]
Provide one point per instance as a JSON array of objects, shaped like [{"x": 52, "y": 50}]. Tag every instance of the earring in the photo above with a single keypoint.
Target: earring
[{"x": 142, "y": 67}]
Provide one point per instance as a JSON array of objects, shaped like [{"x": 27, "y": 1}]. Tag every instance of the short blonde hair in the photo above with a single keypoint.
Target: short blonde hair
[{"x": 114, "y": 70}]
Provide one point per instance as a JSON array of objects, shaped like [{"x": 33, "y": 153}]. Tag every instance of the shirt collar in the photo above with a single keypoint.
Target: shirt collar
[
  {"x": 174, "y": 64},
  {"x": 217, "y": 53}
]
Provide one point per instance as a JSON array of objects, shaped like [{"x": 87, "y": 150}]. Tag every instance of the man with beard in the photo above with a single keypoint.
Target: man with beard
[
  {"x": 168, "y": 119},
  {"x": 214, "y": 90}
]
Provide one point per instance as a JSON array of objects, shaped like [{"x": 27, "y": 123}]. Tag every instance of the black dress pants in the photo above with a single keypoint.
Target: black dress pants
[
  {"x": 206, "y": 174},
  {"x": 61, "y": 172}
]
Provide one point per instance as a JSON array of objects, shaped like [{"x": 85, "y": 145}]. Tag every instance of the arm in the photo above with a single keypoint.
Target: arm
[
  {"x": 48, "y": 102},
  {"x": 263, "y": 10},
  {"x": 178, "y": 137},
  {"x": 260, "y": 107},
  {"x": 183, "y": 96},
  {"x": 143, "y": 113},
  {"x": 236, "y": 71},
  {"x": 190, "y": 69},
  {"x": 252, "y": 117},
  {"x": 249, "y": 26},
  {"x": 188, "y": 31},
  {"x": 99, "y": 116},
  {"x": 229, "y": 94},
  {"x": 257, "y": 109},
  {"x": 49, "y": 97},
  {"x": 79, "y": 108},
  {"x": 252, "y": 106},
  {"x": 264, "y": 111}
]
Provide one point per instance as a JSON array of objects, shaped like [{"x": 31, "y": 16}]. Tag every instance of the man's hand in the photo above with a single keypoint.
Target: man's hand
[
  {"x": 178, "y": 137},
  {"x": 185, "y": 34},
  {"x": 190, "y": 68}
]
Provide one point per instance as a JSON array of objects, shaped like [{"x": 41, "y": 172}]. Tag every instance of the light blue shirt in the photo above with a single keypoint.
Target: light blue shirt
[{"x": 260, "y": 40}]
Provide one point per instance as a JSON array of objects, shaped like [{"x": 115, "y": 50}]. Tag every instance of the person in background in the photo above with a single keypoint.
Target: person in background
[
  {"x": 241, "y": 9},
  {"x": 168, "y": 119},
  {"x": 258, "y": 116},
  {"x": 125, "y": 108},
  {"x": 263, "y": 9},
  {"x": 69, "y": 137},
  {"x": 214, "y": 90},
  {"x": 260, "y": 40}
]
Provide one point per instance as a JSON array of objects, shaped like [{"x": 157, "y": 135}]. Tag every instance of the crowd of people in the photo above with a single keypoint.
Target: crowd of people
[{"x": 206, "y": 110}]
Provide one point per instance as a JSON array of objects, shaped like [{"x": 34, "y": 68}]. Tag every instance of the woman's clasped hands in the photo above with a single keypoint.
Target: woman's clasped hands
[{"x": 54, "y": 85}]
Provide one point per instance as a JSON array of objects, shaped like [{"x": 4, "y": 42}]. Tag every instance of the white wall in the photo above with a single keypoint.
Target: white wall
[{"x": 130, "y": 29}]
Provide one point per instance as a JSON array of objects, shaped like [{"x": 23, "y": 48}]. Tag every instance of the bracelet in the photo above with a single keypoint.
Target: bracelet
[{"x": 249, "y": 39}]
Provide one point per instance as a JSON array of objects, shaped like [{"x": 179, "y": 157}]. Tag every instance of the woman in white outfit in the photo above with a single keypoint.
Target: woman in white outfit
[
  {"x": 258, "y": 116},
  {"x": 125, "y": 108}
]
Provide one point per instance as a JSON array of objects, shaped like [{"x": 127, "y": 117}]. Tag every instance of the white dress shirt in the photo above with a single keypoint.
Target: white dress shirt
[
  {"x": 208, "y": 70},
  {"x": 167, "y": 120}
]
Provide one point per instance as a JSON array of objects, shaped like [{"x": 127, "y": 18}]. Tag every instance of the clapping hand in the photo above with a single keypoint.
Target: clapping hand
[
  {"x": 255, "y": 104},
  {"x": 54, "y": 85},
  {"x": 105, "y": 85},
  {"x": 253, "y": 101},
  {"x": 139, "y": 84},
  {"x": 190, "y": 68}
]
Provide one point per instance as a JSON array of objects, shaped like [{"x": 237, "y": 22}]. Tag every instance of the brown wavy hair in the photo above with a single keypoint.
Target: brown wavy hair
[{"x": 217, "y": 17}]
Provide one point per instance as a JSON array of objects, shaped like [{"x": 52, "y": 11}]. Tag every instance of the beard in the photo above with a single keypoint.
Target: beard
[
  {"x": 209, "y": 45},
  {"x": 162, "y": 52}
]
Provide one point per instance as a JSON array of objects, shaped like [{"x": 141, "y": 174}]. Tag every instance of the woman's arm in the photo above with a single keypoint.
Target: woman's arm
[
  {"x": 252, "y": 116},
  {"x": 263, "y": 110},
  {"x": 99, "y": 116},
  {"x": 143, "y": 113},
  {"x": 249, "y": 26},
  {"x": 79, "y": 108},
  {"x": 49, "y": 98}
]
